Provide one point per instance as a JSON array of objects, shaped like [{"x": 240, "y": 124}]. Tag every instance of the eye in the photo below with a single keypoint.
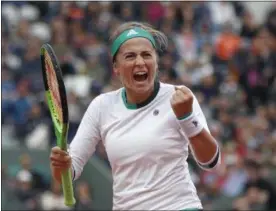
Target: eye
[
  {"x": 147, "y": 55},
  {"x": 129, "y": 56}
]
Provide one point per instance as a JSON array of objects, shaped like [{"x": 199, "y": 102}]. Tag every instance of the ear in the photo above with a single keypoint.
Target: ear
[
  {"x": 157, "y": 60},
  {"x": 157, "y": 73},
  {"x": 115, "y": 69}
]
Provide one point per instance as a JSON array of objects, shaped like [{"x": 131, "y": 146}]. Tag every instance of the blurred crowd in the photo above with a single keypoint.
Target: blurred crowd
[{"x": 217, "y": 49}]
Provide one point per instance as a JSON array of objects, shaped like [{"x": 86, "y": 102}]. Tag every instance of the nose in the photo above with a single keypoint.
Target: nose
[{"x": 139, "y": 60}]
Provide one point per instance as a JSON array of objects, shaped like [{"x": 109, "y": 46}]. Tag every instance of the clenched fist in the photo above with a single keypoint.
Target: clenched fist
[{"x": 182, "y": 101}]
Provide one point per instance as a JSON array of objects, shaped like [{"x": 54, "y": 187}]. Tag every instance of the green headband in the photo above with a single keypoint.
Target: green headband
[{"x": 129, "y": 34}]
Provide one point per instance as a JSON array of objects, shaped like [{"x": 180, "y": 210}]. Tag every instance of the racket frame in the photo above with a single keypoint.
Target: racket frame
[{"x": 60, "y": 128}]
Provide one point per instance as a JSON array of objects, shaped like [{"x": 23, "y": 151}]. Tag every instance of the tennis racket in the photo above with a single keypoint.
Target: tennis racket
[{"x": 57, "y": 103}]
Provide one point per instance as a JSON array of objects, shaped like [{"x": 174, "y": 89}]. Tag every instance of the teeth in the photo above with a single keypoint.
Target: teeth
[{"x": 140, "y": 73}]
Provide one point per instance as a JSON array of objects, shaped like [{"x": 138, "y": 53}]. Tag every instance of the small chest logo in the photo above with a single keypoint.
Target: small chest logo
[
  {"x": 155, "y": 112},
  {"x": 195, "y": 123}
]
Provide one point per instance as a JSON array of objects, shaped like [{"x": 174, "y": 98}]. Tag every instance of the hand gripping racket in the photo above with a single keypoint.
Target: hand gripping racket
[{"x": 57, "y": 103}]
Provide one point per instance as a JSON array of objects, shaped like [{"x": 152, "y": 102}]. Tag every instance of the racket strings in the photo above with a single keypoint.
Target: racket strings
[{"x": 53, "y": 88}]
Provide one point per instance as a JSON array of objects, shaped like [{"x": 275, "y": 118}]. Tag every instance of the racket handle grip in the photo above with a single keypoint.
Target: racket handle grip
[{"x": 67, "y": 187}]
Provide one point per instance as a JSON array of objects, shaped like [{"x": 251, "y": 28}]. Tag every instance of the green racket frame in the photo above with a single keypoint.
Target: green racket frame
[{"x": 61, "y": 128}]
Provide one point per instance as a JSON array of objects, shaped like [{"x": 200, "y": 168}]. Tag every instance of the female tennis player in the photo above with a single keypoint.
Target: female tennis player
[{"x": 146, "y": 128}]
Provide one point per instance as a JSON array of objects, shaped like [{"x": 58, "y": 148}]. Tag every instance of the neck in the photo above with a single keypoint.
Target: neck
[{"x": 136, "y": 98}]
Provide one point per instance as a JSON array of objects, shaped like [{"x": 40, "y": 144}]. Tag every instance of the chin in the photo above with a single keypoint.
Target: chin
[{"x": 142, "y": 87}]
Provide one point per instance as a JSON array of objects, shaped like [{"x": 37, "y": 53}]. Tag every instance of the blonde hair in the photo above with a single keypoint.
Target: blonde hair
[{"x": 159, "y": 37}]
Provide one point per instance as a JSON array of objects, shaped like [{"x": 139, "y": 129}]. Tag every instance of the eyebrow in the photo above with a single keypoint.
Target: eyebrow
[{"x": 131, "y": 52}]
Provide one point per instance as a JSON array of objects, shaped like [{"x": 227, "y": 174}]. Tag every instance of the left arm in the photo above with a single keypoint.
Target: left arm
[{"x": 205, "y": 148}]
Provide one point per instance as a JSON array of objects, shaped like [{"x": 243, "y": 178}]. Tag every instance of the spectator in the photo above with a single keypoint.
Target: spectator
[
  {"x": 8, "y": 96},
  {"x": 24, "y": 191},
  {"x": 249, "y": 27},
  {"x": 222, "y": 12},
  {"x": 227, "y": 42},
  {"x": 53, "y": 199},
  {"x": 257, "y": 182},
  {"x": 39, "y": 183},
  {"x": 21, "y": 109}
]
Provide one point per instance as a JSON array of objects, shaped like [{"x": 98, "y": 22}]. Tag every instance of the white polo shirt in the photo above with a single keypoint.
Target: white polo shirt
[{"x": 146, "y": 148}]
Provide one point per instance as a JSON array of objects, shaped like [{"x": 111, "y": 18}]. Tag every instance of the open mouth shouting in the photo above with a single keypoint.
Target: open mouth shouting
[{"x": 140, "y": 76}]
